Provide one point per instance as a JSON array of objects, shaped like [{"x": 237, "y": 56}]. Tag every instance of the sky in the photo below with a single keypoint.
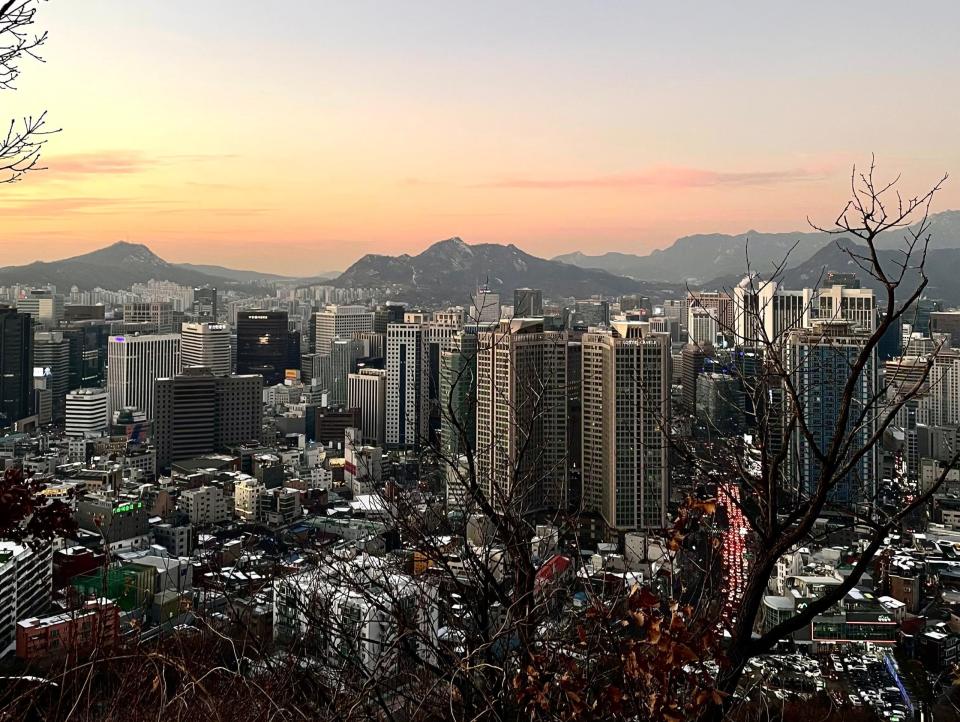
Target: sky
[{"x": 295, "y": 137}]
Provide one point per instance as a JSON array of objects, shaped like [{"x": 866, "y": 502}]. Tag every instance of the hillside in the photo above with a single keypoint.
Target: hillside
[
  {"x": 448, "y": 270},
  {"x": 942, "y": 269},
  {"x": 117, "y": 266},
  {"x": 700, "y": 257}
]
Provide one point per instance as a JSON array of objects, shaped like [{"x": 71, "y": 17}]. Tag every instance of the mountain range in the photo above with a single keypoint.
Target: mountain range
[
  {"x": 697, "y": 258},
  {"x": 448, "y": 270},
  {"x": 120, "y": 265}
]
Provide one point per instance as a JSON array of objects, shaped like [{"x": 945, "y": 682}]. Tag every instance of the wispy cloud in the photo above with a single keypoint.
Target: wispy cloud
[
  {"x": 117, "y": 162},
  {"x": 88, "y": 205},
  {"x": 666, "y": 177}
]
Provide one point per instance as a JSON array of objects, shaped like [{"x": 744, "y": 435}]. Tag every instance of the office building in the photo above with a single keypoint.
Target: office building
[
  {"x": 458, "y": 396},
  {"x": 44, "y": 306},
  {"x": 717, "y": 304},
  {"x": 264, "y": 344},
  {"x": 625, "y": 422},
  {"x": 340, "y": 322},
  {"x": 206, "y": 344},
  {"x": 521, "y": 453},
  {"x": 134, "y": 365},
  {"x": 367, "y": 391},
  {"x": 158, "y": 315},
  {"x": 484, "y": 306},
  {"x": 205, "y": 304},
  {"x": 88, "y": 352},
  {"x": 527, "y": 303},
  {"x": 330, "y": 371},
  {"x": 87, "y": 412},
  {"x": 819, "y": 361},
  {"x": 115, "y": 520},
  {"x": 51, "y": 353},
  {"x": 16, "y": 366},
  {"x": 199, "y": 413}
]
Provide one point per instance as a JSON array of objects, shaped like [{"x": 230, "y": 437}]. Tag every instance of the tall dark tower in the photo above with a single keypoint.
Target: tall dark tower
[
  {"x": 16, "y": 366},
  {"x": 263, "y": 344}
]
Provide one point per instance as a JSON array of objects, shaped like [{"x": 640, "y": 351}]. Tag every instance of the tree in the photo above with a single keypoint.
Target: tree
[{"x": 20, "y": 146}]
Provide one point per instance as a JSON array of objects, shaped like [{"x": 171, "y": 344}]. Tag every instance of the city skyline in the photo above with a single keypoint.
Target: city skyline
[{"x": 306, "y": 139}]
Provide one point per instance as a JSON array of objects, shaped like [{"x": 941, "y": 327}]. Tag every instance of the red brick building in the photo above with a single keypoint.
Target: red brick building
[{"x": 96, "y": 624}]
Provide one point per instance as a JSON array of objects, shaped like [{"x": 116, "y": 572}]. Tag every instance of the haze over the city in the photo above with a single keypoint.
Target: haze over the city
[{"x": 297, "y": 138}]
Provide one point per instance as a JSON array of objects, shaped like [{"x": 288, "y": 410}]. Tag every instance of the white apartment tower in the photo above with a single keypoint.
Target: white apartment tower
[
  {"x": 206, "y": 344},
  {"x": 408, "y": 413},
  {"x": 625, "y": 416},
  {"x": 134, "y": 363}
]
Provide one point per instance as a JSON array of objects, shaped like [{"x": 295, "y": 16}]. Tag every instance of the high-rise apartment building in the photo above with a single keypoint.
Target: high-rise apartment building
[
  {"x": 367, "y": 391},
  {"x": 199, "y": 413},
  {"x": 264, "y": 345},
  {"x": 625, "y": 421},
  {"x": 134, "y": 363},
  {"x": 408, "y": 373},
  {"x": 26, "y": 584},
  {"x": 16, "y": 366},
  {"x": 522, "y": 415},
  {"x": 206, "y": 344},
  {"x": 340, "y": 322},
  {"x": 88, "y": 412}
]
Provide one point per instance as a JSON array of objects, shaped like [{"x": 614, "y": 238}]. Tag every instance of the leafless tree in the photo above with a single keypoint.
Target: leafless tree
[{"x": 21, "y": 144}]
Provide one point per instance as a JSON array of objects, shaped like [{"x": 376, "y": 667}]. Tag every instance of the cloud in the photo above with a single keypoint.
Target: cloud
[
  {"x": 666, "y": 177},
  {"x": 117, "y": 162}
]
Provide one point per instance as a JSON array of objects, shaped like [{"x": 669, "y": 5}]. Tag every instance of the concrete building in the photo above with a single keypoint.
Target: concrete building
[
  {"x": 134, "y": 365},
  {"x": 625, "y": 421},
  {"x": 206, "y": 505},
  {"x": 16, "y": 366},
  {"x": 367, "y": 391},
  {"x": 206, "y": 344},
  {"x": 340, "y": 322},
  {"x": 87, "y": 412},
  {"x": 160, "y": 314},
  {"x": 26, "y": 583},
  {"x": 44, "y": 306},
  {"x": 522, "y": 415},
  {"x": 199, "y": 413},
  {"x": 408, "y": 413}
]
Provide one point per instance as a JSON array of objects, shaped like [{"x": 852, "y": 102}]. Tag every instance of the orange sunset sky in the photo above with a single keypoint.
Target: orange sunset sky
[{"x": 295, "y": 137}]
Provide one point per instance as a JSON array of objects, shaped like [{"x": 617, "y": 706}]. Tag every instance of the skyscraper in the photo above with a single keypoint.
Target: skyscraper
[
  {"x": 51, "y": 352},
  {"x": 367, "y": 391},
  {"x": 134, "y": 363},
  {"x": 484, "y": 306},
  {"x": 527, "y": 303},
  {"x": 199, "y": 413},
  {"x": 522, "y": 415},
  {"x": 458, "y": 395},
  {"x": 408, "y": 413},
  {"x": 819, "y": 361},
  {"x": 206, "y": 344},
  {"x": 44, "y": 306},
  {"x": 263, "y": 344},
  {"x": 205, "y": 304},
  {"x": 625, "y": 418},
  {"x": 16, "y": 366},
  {"x": 340, "y": 322},
  {"x": 158, "y": 314}
]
